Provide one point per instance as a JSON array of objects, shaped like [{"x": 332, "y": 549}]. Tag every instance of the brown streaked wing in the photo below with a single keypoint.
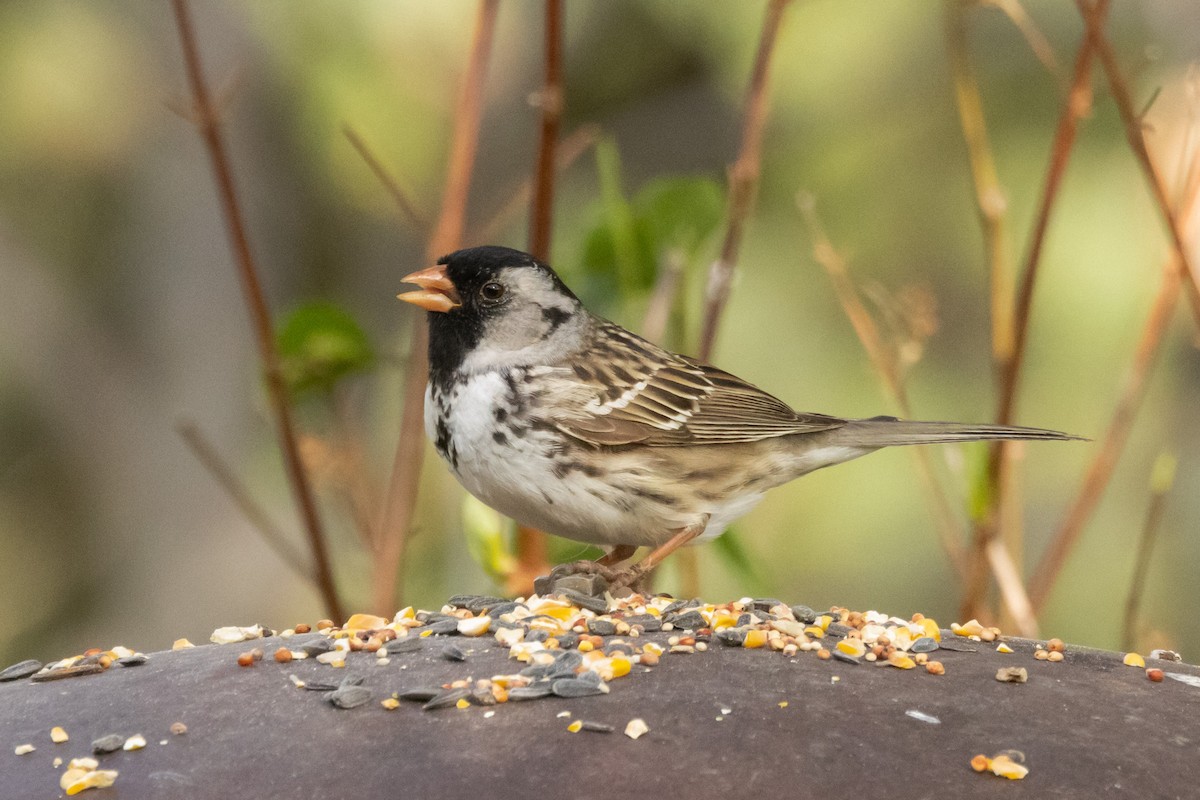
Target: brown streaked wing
[{"x": 640, "y": 393}]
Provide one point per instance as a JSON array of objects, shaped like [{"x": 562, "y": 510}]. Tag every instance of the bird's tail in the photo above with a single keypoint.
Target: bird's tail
[{"x": 889, "y": 431}]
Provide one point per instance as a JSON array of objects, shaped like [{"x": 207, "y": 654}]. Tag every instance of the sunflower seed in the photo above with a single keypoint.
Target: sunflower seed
[
  {"x": 532, "y": 692},
  {"x": 445, "y": 699},
  {"x": 575, "y": 687},
  {"x": 350, "y": 696},
  {"x": 20, "y": 670}
]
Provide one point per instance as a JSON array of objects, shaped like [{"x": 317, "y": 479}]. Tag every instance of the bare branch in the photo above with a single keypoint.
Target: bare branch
[
  {"x": 210, "y": 130},
  {"x": 271, "y": 533},
  {"x": 401, "y": 499},
  {"x": 407, "y": 208},
  {"x": 743, "y": 180}
]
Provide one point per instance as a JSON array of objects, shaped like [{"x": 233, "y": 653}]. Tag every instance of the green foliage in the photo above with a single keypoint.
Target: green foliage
[
  {"x": 319, "y": 344},
  {"x": 668, "y": 214},
  {"x": 733, "y": 553},
  {"x": 488, "y": 539}
]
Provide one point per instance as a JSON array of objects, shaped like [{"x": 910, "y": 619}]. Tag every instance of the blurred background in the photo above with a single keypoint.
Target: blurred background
[{"x": 121, "y": 316}]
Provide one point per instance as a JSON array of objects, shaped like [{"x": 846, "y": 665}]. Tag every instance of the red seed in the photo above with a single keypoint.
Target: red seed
[{"x": 1155, "y": 674}]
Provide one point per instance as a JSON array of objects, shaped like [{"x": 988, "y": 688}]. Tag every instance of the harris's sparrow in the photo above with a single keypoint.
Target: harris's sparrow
[{"x": 571, "y": 424}]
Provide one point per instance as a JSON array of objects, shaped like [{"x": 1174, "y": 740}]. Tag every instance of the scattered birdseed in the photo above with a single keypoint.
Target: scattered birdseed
[
  {"x": 58, "y": 735},
  {"x": 1012, "y": 675},
  {"x": 446, "y": 698},
  {"x": 636, "y": 728},
  {"x": 1133, "y": 660},
  {"x": 181, "y": 644},
  {"x": 576, "y": 726},
  {"x": 135, "y": 742},
  {"x": 463, "y": 703},
  {"x": 24, "y": 749},
  {"x": 474, "y": 626},
  {"x": 22, "y": 669},
  {"x": 108, "y": 744},
  {"x": 922, "y": 716},
  {"x": 233, "y": 634},
  {"x": 595, "y": 727},
  {"x": 67, "y": 672},
  {"x": 178, "y": 728},
  {"x": 349, "y": 696},
  {"x": 1003, "y": 648}
]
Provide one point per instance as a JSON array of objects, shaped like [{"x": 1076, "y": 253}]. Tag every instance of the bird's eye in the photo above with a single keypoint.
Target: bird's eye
[{"x": 492, "y": 291}]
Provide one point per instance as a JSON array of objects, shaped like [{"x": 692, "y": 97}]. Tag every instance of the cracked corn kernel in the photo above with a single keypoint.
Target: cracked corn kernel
[
  {"x": 576, "y": 726},
  {"x": 636, "y": 728},
  {"x": 755, "y": 638},
  {"x": 1003, "y": 648},
  {"x": 24, "y": 749},
  {"x": 463, "y": 703},
  {"x": 390, "y": 703},
  {"x": 901, "y": 661},
  {"x": 1134, "y": 660},
  {"x": 851, "y": 647},
  {"x": 1005, "y": 767},
  {"x": 135, "y": 742},
  {"x": 181, "y": 644},
  {"x": 970, "y": 628},
  {"x": 58, "y": 735}
]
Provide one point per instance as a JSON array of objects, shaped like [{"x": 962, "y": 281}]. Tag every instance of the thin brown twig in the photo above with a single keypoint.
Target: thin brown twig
[
  {"x": 1161, "y": 480},
  {"x": 883, "y": 359},
  {"x": 1077, "y": 104},
  {"x": 531, "y": 550},
  {"x": 271, "y": 533},
  {"x": 408, "y": 208},
  {"x": 663, "y": 296},
  {"x": 1176, "y": 274},
  {"x": 400, "y": 502},
  {"x": 570, "y": 149},
  {"x": 1094, "y": 18},
  {"x": 209, "y": 126},
  {"x": 1034, "y": 37},
  {"x": 743, "y": 180},
  {"x": 550, "y": 100}
]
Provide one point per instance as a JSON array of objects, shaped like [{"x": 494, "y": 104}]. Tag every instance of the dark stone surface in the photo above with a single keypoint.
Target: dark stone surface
[{"x": 1089, "y": 727}]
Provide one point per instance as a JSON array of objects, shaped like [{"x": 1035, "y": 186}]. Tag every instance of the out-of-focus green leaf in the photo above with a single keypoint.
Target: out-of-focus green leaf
[
  {"x": 678, "y": 213},
  {"x": 319, "y": 344},
  {"x": 488, "y": 539},
  {"x": 631, "y": 236},
  {"x": 733, "y": 553}
]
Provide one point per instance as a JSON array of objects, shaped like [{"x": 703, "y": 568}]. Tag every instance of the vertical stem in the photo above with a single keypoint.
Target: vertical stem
[
  {"x": 541, "y": 218},
  {"x": 743, "y": 180},
  {"x": 210, "y": 130},
  {"x": 1161, "y": 481},
  {"x": 400, "y": 502},
  {"x": 532, "y": 556}
]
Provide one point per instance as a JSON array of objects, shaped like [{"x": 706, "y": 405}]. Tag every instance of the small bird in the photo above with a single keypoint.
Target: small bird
[{"x": 570, "y": 423}]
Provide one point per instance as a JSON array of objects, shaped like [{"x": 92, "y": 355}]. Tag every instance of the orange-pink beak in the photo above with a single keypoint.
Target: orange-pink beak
[{"x": 437, "y": 291}]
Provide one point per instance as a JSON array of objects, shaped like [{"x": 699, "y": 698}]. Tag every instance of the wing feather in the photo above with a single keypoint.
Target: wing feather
[{"x": 626, "y": 390}]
